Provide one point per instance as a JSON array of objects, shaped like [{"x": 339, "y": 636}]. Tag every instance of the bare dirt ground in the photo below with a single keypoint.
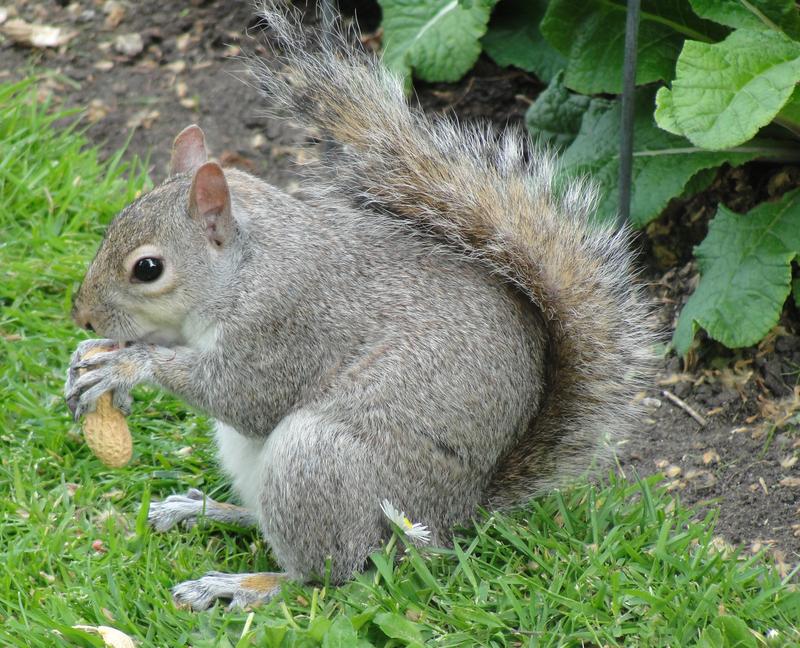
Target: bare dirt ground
[{"x": 144, "y": 70}]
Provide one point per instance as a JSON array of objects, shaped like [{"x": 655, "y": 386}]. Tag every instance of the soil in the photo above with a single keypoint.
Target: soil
[{"x": 741, "y": 463}]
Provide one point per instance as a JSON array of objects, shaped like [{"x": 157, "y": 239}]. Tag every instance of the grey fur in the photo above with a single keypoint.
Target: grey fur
[{"x": 433, "y": 326}]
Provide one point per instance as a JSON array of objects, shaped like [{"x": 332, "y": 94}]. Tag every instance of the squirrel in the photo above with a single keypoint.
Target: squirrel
[{"x": 434, "y": 323}]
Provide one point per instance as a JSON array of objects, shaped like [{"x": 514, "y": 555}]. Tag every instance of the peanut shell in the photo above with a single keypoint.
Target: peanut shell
[{"x": 106, "y": 430}]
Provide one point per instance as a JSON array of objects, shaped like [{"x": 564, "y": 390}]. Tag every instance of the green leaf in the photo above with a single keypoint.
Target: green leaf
[
  {"x": 341, "y": 634},
  {"x": 591, "y": 34},
  {"x": 700, "y": 181},
  {"x": 789, "y": 115},
  {"x": 711, "y": 637},
  {"x": 735, "y": 632},
  {"x": 725, "y": 92},
  {"x": 796, "y": 291},
  {"x": 319, "y": 627},
  {"x": 514, "y": 39},
  {"x": 665, "y": 112},
  {"x": 438, "y": 39},
  {"x": 398, "y": 627},
  {"x": 753, "y": 14},
  {"x": 662, "y": 163},
  {"x": 555, "y": 117},
  {"x": 745, "y": 268}
]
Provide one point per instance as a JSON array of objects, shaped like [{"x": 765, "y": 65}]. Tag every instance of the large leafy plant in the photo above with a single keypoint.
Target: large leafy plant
[{"x": 716, "y": 84}]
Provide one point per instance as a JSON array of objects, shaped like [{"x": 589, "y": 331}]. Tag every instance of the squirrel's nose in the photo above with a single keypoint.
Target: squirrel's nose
[{"x": 82, "y": 319}]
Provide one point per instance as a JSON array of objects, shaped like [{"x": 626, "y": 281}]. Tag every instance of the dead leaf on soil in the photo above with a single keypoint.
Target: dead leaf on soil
[
  {"x": 97, "y": 110},
  {"x": 758, "y": 545},
  {"x": 675, "y": 484},
  {"x": 788, "y": 461},
  {"x": 143, "y": 118},
  {"x": 372, "y": 40},
  {"x": 722, "y": 546},
  {"x": 129, "y": 45},
  {"x": 791, "y": 482},
  {"x": 233, "y": 159},
  {"x": 767, "y": 345},
  {"x": 176, "y": 66},
  {"x": 32, "y": 35},
  {"x": 147, "y": 65},
  {"x": 113, "y": 494},
  {"x": 738, "y": 376},
  {"x": 674, "y": 379},
  {"x": 779, "y": 411},
  {"x": 231, "y": 51},
  {"x": 182, "y": 42},
  {"x": 710, "y": 457},
  {"x": 701, "y": 479},
  {"x": 115, "y": 13},
  {"x": 780, "y": 562}
]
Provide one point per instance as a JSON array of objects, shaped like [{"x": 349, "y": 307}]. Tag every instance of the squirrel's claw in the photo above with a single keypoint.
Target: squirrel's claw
[
  {"x": 73, "y": 372},
  {"x": 116, "y": 371}
]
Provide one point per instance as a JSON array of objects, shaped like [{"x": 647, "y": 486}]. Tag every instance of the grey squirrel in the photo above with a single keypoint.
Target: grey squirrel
[{"x": 433, "y": 324}]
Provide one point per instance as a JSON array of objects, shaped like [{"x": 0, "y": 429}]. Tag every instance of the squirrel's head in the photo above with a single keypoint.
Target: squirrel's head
[{"x": 164, "y": 255}]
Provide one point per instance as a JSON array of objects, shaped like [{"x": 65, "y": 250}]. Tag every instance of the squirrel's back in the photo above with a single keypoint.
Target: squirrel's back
[{"x": 488, "y": 198}]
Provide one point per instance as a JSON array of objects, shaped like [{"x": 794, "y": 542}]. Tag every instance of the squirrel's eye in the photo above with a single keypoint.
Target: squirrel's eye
[{"x": 148, "y": 269}]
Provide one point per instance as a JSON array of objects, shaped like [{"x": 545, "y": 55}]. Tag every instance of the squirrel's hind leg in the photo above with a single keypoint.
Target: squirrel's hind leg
[
  {"x": 242, "y": 590},
  {"x": 325, "y": 477}
]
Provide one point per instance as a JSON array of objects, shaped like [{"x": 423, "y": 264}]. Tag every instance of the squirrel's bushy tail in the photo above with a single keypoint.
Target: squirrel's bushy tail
[{"x": 481, "y": 193}]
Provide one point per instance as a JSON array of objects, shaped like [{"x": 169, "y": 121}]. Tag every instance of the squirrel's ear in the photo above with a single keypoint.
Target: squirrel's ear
[
  {"x": 188, "y": 151},
  {"x": 210, "y": 203}
]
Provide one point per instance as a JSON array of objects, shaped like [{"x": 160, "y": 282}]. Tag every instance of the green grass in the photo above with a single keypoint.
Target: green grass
[{"x": 620, "y": 564}]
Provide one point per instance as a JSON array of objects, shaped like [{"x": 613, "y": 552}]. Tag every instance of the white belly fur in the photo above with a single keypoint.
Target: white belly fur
[{"x": 242, "y": 458}]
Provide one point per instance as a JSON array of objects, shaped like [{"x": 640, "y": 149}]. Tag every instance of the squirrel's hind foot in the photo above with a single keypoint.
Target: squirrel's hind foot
[
  {"x": 187, "y": 509},
  {"x": 242, "y": 590}
]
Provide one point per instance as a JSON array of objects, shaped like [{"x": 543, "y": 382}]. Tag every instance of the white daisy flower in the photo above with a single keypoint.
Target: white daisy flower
[{"x": 413, "y": 530}]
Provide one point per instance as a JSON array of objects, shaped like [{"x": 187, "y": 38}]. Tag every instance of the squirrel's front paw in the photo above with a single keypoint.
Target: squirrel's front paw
[{"x": 117, "y": 370}]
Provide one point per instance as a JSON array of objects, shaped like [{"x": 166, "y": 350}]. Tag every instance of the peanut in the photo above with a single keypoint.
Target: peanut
[{"x": 106, "y": 430}]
